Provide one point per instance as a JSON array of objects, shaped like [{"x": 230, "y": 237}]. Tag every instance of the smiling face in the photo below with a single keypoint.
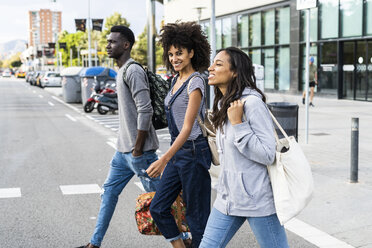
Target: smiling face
[
  {"x": 220, "y": 74},
  {"x": 180, "y": 58},
  {"x": 116, "y": 45}
]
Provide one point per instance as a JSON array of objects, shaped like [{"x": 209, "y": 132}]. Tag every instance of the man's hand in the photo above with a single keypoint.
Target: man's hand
[
  {"x": 235, "y": 112},
  {"x": 156, "y": 168}
]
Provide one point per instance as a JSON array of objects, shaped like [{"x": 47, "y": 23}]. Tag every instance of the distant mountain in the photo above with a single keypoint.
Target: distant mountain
[{"x": 11, "y": 47}]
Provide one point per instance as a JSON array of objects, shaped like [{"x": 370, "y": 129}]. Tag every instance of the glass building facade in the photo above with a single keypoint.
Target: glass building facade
[{"x": 274, "y": 36}]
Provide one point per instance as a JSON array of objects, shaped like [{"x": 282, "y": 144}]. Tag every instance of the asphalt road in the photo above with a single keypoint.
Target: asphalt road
[{"x": 46, "y": 146}]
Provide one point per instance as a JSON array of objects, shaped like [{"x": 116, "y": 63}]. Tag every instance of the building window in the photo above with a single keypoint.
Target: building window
[
  {"x": 368, "y": 11},
  {"x": 268, "y": 23},
  {"x": 223, "y": 33},
  {"x": 283, "y": 25},
  {"x": 328, "y": 67},
  {"x": 269, "y": 67},
  {"x": 218, "y": 34},
  {"x": 282, "y": 72},
  {"x": 351, "y": 17},
  {"x": 255, "y": 55},
  {"x": 255, "y": 29},
  {"x": 314, "y": 54},
  {"x": 328, "y": 16},
  {"x": 243, "y": 31},
  {"x": 313, "y": 25},
  {"x": 226, "y": 32}
]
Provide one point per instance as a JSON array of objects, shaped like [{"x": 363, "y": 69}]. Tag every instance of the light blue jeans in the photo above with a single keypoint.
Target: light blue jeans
[
  {"x": 221, "y": 228},
  {"x": 123, "y": 167}
]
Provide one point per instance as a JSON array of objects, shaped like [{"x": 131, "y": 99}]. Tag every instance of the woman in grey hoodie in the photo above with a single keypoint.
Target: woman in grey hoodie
[{"x": 246, "y": 143}]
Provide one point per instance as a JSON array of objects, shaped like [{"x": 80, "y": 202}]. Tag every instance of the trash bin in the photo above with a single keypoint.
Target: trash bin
[
  {"x": 287, "y": 115},
  {"x": 71, "y": 87},
  {"x": 103, "y": 75}
]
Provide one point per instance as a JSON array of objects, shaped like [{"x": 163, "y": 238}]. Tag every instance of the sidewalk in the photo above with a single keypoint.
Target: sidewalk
[{"x": 338, "y": 208}]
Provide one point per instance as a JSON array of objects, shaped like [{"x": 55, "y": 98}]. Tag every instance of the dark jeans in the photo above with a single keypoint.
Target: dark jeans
[{"x": 187, "y": 170}]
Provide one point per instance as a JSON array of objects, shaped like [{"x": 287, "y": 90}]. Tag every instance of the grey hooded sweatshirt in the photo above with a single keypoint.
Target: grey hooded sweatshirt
[{"x": 245, "y": 149}]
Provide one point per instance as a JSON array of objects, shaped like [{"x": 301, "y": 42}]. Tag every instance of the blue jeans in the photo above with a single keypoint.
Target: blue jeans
[
  {"x": 123, "y": 167},
  {"x": 221, "y": 228},
  {"x": 187, "y": 170}
]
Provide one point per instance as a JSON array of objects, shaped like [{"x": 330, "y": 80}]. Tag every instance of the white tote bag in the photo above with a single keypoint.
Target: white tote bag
[{"x": 291, "y": 177}]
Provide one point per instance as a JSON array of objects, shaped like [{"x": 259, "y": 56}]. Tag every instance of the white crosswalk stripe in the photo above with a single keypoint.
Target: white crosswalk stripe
[
  {"x": 108, "y": 121},
  {"x": 10, "y": 192}
]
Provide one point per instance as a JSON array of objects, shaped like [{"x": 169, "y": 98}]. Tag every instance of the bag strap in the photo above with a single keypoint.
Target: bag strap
[
  {"x": 275, "y": 121},
  {"x": 279, "y": 126},
  {"x": 200, "y": 122},
  {"x": 126, "y": 68},
  {"x": 179, "y": 213}
]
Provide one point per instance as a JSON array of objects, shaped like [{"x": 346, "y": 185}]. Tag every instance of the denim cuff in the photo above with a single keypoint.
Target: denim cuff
[{"x": 175, "y": 238}]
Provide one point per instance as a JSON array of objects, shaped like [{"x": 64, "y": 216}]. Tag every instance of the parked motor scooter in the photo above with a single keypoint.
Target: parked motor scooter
[
  {"x": 107, "y": 102},
  {"x": 97, "y": 90}
]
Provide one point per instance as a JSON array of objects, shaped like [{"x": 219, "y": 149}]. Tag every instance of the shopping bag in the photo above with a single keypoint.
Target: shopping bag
[
  {"x": 146, "y": 224},
  {"x": 291, "y": 177}
]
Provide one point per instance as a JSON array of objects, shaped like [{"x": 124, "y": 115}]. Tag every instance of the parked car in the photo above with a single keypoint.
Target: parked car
[
  {"x": 7, "y": 73},
  {"x": 29, "y": 75},
  {"x": 20, "y": 74},
  {"x": 37, "y": 83},
  {"x": 34, "y": 77},
  {"x": 50, "y": 78}
]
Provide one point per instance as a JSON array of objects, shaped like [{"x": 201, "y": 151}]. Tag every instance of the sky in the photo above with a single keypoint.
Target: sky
[{"x": 14, "y": 14}]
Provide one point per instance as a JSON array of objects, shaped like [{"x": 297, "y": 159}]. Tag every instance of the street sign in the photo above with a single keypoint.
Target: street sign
[{"x": 306, "y": 4}]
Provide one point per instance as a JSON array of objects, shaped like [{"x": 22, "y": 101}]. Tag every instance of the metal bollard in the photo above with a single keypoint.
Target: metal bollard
[{"x": 354, "y": 150}]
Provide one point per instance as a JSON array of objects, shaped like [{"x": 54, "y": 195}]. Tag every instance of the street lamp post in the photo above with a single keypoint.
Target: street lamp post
[
  {"x": 89, "y": 46},
  {"x": 213, "y": 44}
]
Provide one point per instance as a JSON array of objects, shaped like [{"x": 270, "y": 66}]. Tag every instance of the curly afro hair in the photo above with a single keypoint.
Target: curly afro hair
[{"x": 186, "y": 35}]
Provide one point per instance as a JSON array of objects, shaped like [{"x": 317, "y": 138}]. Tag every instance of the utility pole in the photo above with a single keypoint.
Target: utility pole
[
  {"x": 306, "y": 5},
  {"x": 213, "y": 45},
  {"x": 151, "y": 62},
  {"x": 89, "y": 45}
]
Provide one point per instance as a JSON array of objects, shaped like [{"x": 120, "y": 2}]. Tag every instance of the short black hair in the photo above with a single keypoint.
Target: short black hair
[{"x": 125, "y": 32}]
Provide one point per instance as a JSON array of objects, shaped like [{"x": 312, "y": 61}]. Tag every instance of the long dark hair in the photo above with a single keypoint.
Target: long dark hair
[{"x": 241, "y": 64}]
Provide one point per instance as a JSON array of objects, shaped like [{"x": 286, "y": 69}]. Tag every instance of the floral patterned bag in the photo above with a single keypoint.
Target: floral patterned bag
[{"x": 146, "y": 224}]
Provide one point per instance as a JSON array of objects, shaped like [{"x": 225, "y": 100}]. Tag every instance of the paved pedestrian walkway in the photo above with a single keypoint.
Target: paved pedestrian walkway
[{"x": 339, "y": 208}]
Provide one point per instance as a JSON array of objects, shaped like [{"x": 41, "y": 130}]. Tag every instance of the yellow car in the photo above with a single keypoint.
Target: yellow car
[{"x": 20, "y": 74}]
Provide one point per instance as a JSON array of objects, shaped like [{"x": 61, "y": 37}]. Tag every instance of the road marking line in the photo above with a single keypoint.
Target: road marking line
[
  {"x": 10, "y": 192},
  {"x": 313, "y": 235},
  {"x": 70, "y": 117},
  {"x": 41, "y": 96},
  {"x": 81, "y": 189},
  {"x": 50, "y": 103},
  {"x": 111, "y": 144},
  {"x": 140, "y": 186},
  {"x": 115, "y": 129},
  {"x": 68, "y": 105},
  {"x": 33, "y": 91}
]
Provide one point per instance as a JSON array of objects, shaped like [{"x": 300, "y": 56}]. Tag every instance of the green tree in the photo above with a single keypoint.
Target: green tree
[
  {"x": 139, "y": 51},
  {"x": 73, "y": 41},
  {"x": 13, "y": 62}
]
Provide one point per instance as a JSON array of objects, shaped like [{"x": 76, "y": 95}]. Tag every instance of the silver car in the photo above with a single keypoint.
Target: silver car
[{"x": 50, "y": 78}]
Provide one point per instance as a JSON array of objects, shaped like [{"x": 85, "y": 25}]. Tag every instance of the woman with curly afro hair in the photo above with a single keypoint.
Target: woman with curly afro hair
[{"x": 186, "y": 163}]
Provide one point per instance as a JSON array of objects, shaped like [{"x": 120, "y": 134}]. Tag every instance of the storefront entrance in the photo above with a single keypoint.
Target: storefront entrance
[{"x": 356, "y": 73}]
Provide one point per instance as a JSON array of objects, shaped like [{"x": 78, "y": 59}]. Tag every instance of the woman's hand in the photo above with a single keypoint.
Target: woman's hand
[
  {"x": 156, "y": 168},
  {"x": 235, "y": 112}
]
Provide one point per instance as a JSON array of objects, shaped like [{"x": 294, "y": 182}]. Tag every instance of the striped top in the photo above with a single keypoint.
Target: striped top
[{"x": 179, "y": 105}]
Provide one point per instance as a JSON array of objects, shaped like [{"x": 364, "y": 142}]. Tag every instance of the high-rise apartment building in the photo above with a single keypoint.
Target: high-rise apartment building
[{"x": 44, "y": 25}]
